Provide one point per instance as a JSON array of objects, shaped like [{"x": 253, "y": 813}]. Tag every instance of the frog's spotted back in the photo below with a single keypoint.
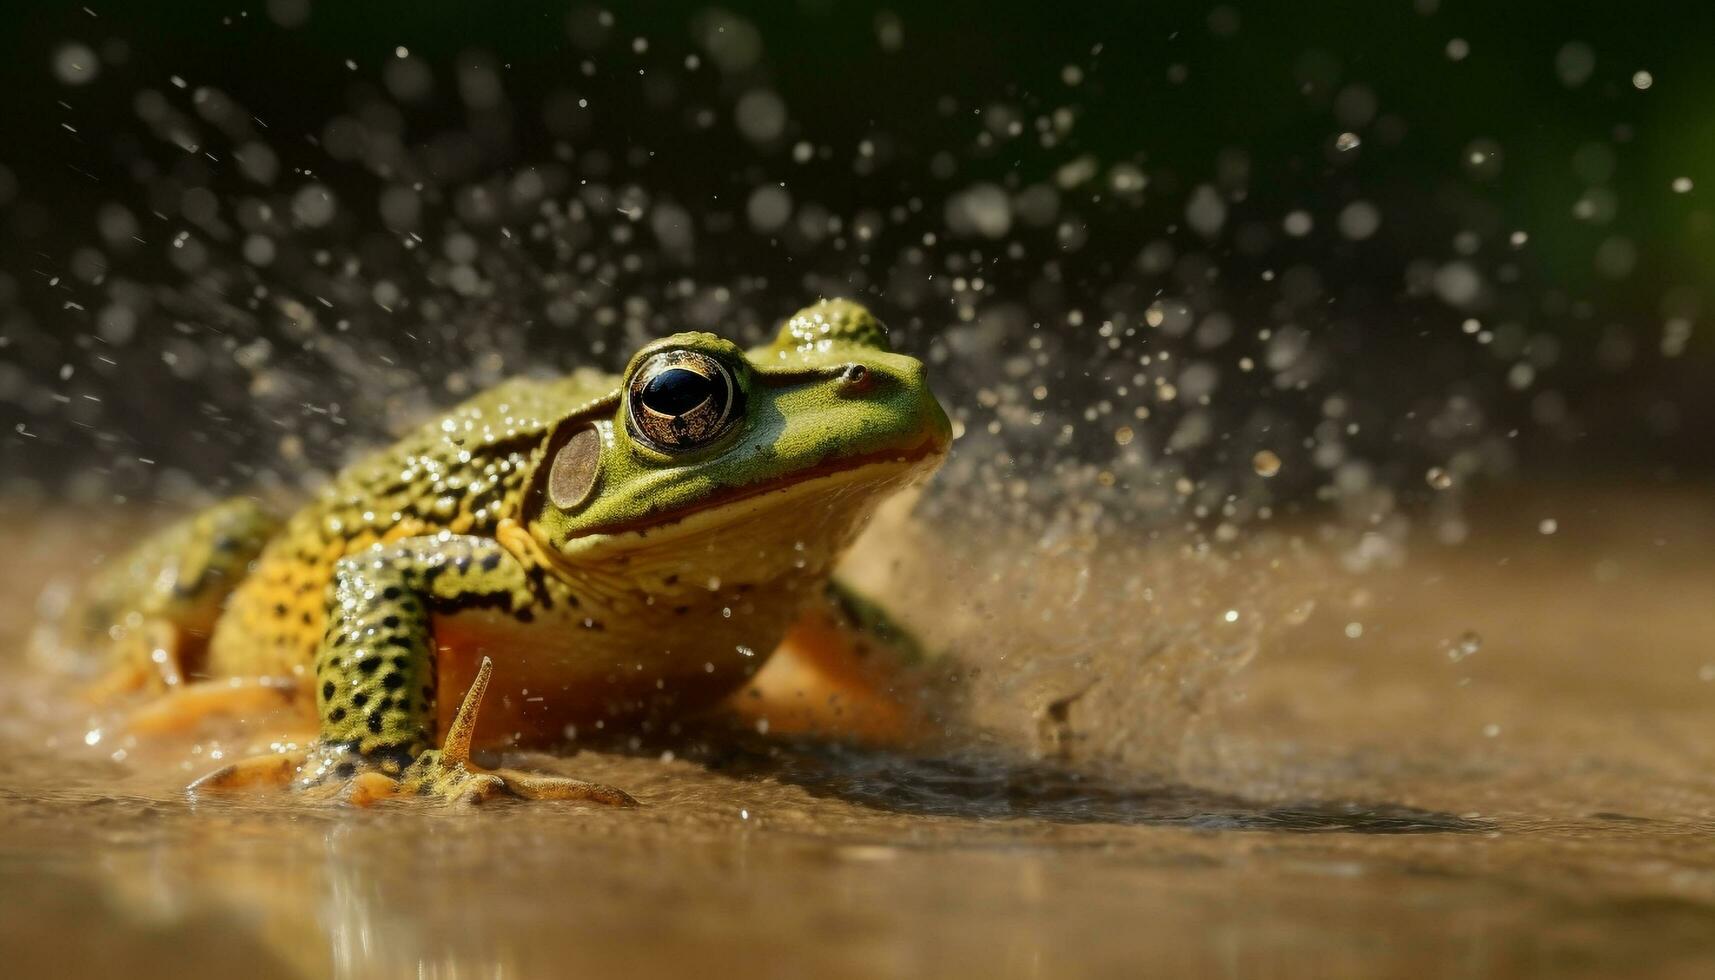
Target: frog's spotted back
[{"x": 461, "y": 473}]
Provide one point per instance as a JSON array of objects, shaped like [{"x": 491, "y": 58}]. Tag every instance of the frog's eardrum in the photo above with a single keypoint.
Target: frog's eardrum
[{"x": 575, "y": 469}]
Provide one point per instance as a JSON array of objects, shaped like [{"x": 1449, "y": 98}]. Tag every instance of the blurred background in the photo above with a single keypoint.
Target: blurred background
[
  {"x": 1331, "y": 384},
  {"x": 1163, "y": 256}
]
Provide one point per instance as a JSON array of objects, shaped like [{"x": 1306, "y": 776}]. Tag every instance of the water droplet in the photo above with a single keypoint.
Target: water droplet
[
  {"x": 1466, "y": 644},
  {"x": 75, "y": 64},
  {"x": 1359, "y": 220},
  {"x": 1574, "y": 63},
  {"x": 1483, "y": 158},
  {"x": 1548, "y": 525},
  {"x": 1347, "y": 141},
  {"x": 1439, "y": 478},
  {"x": 1266, "y": 463},
  {"x": 1642, "y": 80},
  {"x": 1681, "y": 185}
]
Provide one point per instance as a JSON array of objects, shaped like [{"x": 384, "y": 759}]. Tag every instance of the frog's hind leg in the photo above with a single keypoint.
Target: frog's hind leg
[
  {"x": 846, "y": 669},
  {"x": 152, "y": 609},
  {"x": 183, "y": 708}
]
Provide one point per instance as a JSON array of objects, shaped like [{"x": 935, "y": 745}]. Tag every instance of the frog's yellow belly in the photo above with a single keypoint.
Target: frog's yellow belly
[
  {"x": 275, "y": 618},
  {"x": 558, "y": 680}
]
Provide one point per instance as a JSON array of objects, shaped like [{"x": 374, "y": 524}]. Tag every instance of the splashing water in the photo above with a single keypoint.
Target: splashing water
[{"x": 1158, "y": 363}]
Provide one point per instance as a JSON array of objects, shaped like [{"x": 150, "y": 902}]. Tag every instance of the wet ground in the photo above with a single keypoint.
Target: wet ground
[{"x": 1492, "y": 760}]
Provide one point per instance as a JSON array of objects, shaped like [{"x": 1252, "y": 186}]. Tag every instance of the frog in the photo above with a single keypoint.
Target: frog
[{"x": 605, "y": 552}]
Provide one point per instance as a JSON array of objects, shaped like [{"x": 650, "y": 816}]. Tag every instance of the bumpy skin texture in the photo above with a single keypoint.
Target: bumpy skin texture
[
  {"x": 659, "y": 591},
  {"x": 461, "y": 473},
  {"x": 375, "y": 680}
]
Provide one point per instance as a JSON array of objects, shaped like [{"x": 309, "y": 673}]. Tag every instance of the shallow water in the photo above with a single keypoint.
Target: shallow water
[{"x": 1490, "y": 760}]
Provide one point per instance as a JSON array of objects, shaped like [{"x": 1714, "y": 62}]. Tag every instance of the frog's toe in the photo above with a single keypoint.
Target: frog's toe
[
  {"x": 538, "y": 786},
  {"x": 457, "y": 780},
  {"x": 257, "y": 772},
  {"x": 370, "y": 787},
  {"x": 477, "y": 788}
]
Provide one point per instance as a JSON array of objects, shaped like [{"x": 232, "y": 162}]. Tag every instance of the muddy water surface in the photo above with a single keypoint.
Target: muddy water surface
[{"x": 1492, "y": 760}]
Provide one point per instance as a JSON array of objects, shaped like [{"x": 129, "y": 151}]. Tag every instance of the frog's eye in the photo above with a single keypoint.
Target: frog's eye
[{"x": 681, "y": 400}]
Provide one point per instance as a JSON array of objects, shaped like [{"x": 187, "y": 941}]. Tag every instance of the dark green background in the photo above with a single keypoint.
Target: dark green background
[{"x": 1266, "y": 89}]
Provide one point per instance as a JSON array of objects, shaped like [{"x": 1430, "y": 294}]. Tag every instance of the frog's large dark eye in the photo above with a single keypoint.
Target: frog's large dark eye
[{"x": 681, "y": 400}]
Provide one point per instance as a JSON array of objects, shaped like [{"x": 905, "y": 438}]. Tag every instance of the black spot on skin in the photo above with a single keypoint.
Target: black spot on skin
[
  {"x": 360, "y": 699},
  {"x": 681, "y": 610},
  {"x": 671, "y": 580},
  {"x": 345, "y": 770},
  {"x": 462, "y": 562},
  {"x": 391, "y": 622},
  {"x": 393, "y": 682},
  {"x": 374, "y": 722},
  {"x": 491, "y": 563},
  {"x": 428, "y": 694},
  {"x": 336, "y": 715},
  {"x": 368, "y": 664},
  {"x": 279, "y": 609},
  {"x": 525, "y": 616},
  {"x": 391, "y": 592},
  {"x": 308, "y": 619},
  {"x": 401, "y": 642},
  {"x": 400, "y": 663},
  {"x": 327, "y": 691}
]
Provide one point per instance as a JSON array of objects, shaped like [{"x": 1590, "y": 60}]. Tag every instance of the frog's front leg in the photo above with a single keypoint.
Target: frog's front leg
[
  {"x": 375, "y": 680},
  {"x": 846, "y": 669}
]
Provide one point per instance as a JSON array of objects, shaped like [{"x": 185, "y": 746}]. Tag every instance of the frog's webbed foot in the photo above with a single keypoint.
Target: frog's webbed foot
[
  {"x": 446, "y": 773},
  {"x": 449, "y": 773}
]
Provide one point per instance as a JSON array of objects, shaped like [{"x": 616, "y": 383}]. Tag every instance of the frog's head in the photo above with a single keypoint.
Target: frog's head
[{"x": 716, "y": 462}]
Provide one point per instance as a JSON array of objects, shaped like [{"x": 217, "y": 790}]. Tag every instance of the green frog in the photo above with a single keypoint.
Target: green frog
[{"x": 590, "y": 552}]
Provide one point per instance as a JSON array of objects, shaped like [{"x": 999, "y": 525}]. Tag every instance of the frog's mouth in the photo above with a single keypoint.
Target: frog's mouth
[{"x": 840, "y": 486}]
